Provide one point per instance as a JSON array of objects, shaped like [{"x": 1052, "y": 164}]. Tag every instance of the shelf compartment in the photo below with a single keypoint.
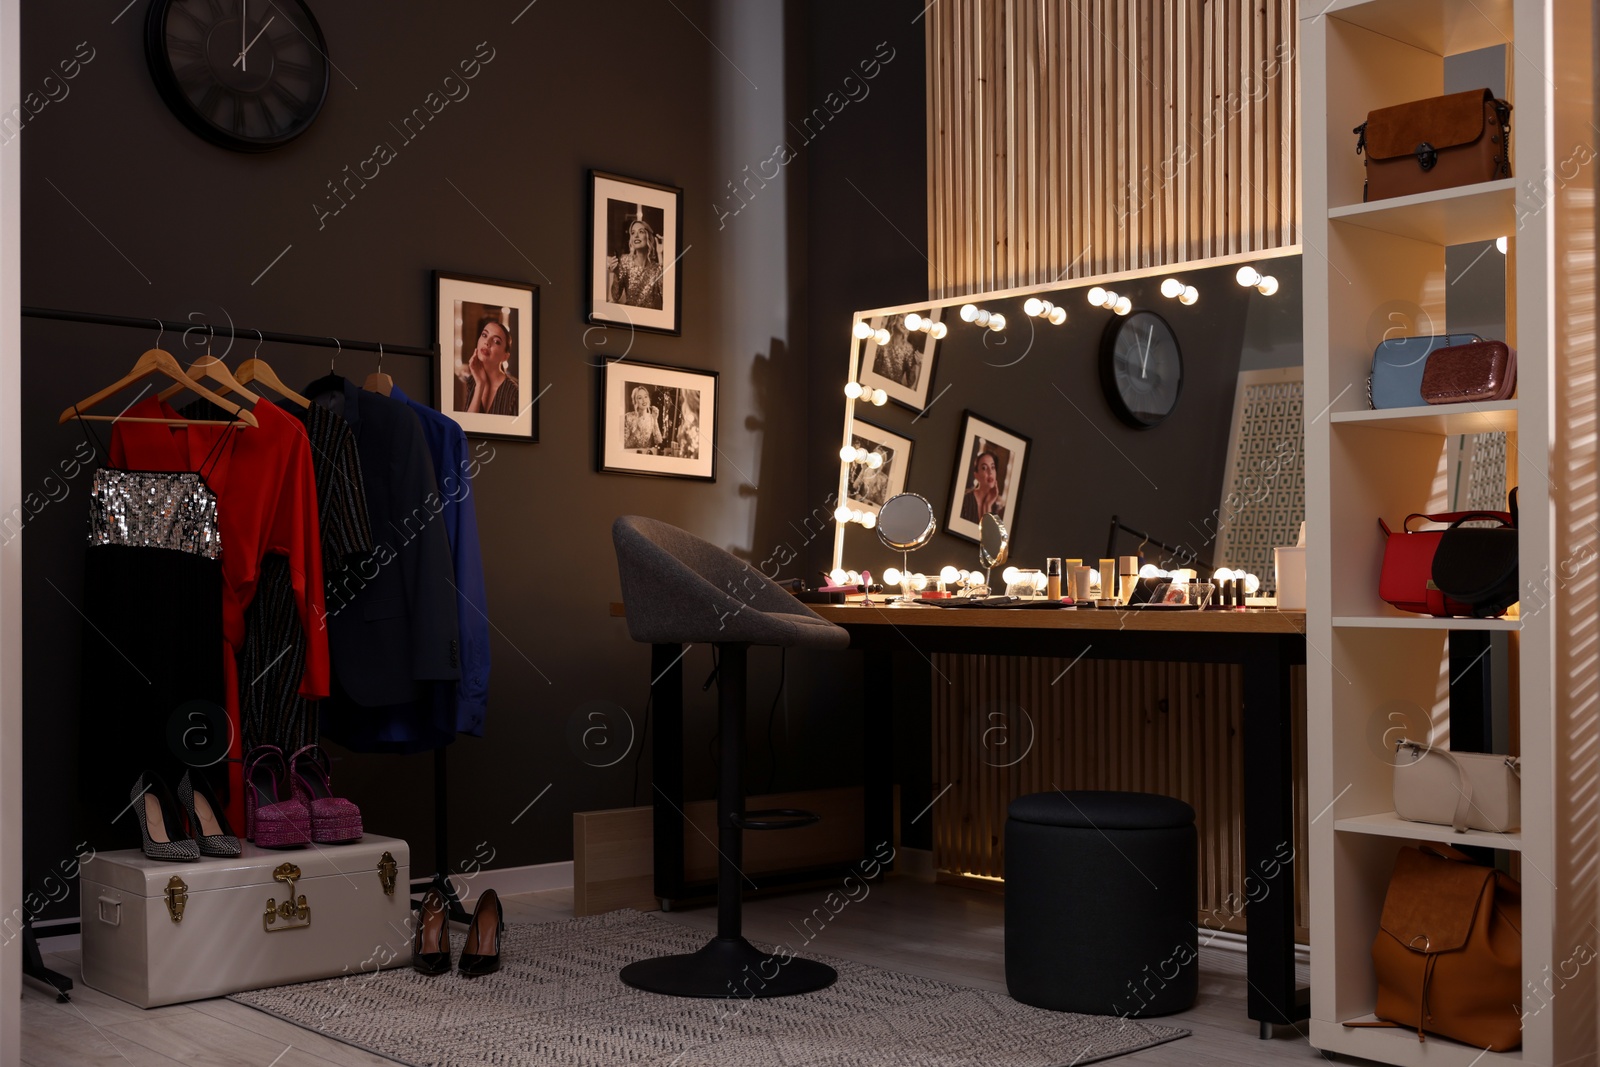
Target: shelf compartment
[
  {"x": 1443, "y": 27},
  {"x": 1400, "y": 1046},
  {"x": 1466, "y": 213},
  {"x": 1421, "y": 622},
  {"x": 1498, "y": 416},
  {"x": 1388, "y": 824}
]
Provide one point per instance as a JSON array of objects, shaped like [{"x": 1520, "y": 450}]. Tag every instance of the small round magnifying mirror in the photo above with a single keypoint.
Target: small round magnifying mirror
[
  {"x": 906, "y": 522},
  {"x": 994, "y": 545}
]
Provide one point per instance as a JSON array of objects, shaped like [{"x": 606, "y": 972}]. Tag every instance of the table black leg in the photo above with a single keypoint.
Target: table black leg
[
  {"x": 1269, "y": 843},
  {"x": 877, "y": 761},
  {"x": 666, "y": 758}
]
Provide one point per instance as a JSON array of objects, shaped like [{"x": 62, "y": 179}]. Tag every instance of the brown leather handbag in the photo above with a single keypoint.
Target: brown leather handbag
[
  {"x": 1449, "y": 950},
  {"x": 1480, "y": 370},
  {"x": 1444, "y": 141}
]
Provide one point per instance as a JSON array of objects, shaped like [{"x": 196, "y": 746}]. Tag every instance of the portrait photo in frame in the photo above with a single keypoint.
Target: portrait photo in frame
[
  {"x": 634, "y": 251},
  {"x": 867, "y": 487},
  {"x": 987, "y": 477},
  {"x": 903, "y": 368},
  {"x": 487, "y": 374},
  {"x": 658, "y": 420}
]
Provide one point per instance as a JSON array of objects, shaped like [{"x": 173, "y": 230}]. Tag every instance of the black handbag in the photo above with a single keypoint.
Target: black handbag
[{"x": 1477, "y": 566}]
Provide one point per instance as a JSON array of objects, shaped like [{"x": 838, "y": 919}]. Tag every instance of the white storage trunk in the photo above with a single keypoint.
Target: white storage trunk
[{"x": 162, "y": 933}]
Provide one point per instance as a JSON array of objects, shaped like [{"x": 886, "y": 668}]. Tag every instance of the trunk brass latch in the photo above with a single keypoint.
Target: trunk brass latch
[
  {"x": 295, "y": 912},
  {"x": 388, "y": 869},
  {"x": 177, "y": 895}
]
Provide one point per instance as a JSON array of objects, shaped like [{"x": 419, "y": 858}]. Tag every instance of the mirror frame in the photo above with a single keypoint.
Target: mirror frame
[
  {"x": 947, "y": 315},
  {"x": 923, "y": 539}
]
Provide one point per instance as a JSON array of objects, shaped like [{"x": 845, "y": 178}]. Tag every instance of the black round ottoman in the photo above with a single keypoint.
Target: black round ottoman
[{"x": 1101, "y": 903}]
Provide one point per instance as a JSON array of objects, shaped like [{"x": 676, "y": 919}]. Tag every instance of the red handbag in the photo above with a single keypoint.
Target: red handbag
[{"x": 1407, "y": 577}]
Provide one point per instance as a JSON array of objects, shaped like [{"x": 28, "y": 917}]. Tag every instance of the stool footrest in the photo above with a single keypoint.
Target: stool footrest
[{"x": 776, "y": 819}]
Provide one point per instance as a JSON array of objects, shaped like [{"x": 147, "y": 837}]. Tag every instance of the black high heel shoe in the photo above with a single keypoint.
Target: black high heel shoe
[
  {"x": 160, "y": 824},
  {"x": 430, "y": 945},
  {"x": 481, "y": 954},
  {"x": 211, "y": 830}
]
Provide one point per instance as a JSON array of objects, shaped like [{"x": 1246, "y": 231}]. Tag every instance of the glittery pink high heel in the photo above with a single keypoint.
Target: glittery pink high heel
[
  {"x": 273, "y": 816},
  {"x": 334, "y": 820}
]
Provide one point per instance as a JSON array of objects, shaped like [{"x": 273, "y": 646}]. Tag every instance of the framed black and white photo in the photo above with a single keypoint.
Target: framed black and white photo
[
  {"x": 868, "y": 486},
  {"x": 634, "y": 251},
  {"x": 988, "y": 475},
  {"x": 487, "y": 377},
  {"x": 903, "y": 367},
  {"x": 658, "y": 420}
]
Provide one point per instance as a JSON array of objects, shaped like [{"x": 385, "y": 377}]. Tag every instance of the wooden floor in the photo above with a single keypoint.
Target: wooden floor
[{"x": 904, "y": 924}]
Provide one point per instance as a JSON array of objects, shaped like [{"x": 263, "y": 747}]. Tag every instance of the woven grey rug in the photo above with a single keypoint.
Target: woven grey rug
[{"x": 557, "y": 1002}]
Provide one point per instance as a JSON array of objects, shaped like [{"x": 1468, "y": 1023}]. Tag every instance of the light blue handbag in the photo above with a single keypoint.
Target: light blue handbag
[{"x": 1397, "y": 365}]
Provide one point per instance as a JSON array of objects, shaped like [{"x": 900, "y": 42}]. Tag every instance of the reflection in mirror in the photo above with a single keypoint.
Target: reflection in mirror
[{"x": 905, "y": 522}]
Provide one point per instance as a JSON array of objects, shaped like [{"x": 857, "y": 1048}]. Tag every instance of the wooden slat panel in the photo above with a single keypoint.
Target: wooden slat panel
[
  {"x": 1105, "y": 135},
  {"x": 1007, "y": 726}
]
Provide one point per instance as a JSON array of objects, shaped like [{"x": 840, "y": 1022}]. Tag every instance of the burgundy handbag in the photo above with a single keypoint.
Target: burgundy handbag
[
  {"x": 1437, "y": 143},
  {"x": 1407, "y": 579},
  {"x": 1481, "y": 370}
]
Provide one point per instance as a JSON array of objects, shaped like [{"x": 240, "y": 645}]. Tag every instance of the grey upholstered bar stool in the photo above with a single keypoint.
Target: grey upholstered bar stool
[
  {"x": 1101, "y": 903},
  {"x": 678, "y": 589}
]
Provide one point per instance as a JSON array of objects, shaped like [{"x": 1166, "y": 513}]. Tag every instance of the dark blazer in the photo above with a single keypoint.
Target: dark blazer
[{"x": 392, "y": 616}]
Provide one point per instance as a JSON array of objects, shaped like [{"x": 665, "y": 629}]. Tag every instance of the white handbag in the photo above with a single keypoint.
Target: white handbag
[{"x": 1462, "y": 790}]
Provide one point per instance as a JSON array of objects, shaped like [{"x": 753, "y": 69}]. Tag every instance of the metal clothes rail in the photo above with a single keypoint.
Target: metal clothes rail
[{"x": 239, "y": 332}]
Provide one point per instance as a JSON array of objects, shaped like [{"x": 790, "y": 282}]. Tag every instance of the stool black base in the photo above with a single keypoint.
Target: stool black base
[{"x": 729, "y": 967}]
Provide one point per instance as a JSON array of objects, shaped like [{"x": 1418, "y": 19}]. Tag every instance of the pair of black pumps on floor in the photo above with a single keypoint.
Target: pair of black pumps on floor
[{"x": 430, "y": 945}]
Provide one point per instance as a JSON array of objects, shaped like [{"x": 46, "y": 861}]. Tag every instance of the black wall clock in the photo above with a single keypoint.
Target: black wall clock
[
  {"x": 1141, "y": 369},
  {"x": 250, "y": 75}
]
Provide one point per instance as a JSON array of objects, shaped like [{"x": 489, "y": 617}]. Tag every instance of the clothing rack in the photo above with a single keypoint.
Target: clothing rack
[
  {"x": 441, "y": 800},
  {"x": 238, "y": 332}
]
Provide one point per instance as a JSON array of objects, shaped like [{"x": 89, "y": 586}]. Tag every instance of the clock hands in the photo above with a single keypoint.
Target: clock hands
[
  {"x": 244, "y": 28},
  {"x": 1144, "y": 359},
  {"x": 239, "y": 62}
]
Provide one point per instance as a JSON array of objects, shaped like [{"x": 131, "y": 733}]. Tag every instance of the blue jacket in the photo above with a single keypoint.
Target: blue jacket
[{"x": 447, "y": 444}]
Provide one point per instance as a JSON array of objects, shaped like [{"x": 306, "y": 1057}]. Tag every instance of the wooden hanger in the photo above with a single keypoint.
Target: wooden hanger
[
  {"x": 377, "y": 381},
  {"x": 209, "y": 367},
  {"x": 159, "y": 361},
  {"x": 256, "y": 369}
]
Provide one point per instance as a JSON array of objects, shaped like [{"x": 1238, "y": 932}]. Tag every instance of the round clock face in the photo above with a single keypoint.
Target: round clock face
[
  {"x": 1141, "y": 369},
  {"x": 249, "y": 75}
]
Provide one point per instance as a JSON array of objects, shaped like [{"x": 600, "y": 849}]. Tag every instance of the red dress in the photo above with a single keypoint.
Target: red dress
[{"x": 266, "y": 502}]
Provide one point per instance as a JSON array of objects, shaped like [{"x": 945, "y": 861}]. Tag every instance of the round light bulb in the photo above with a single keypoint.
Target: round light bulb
[
  {"x": 856, "y": 514},
  {"x": 1223, "y": 574},
  {"x": 841, "y": 513},
  {"x": 1171, "y": 288},
  {"x": 1252, "y": 585},
  {"x": 854, "y": 577},
  {"x": 891, "y": 576},
  {"x": 1108, "y": 299},
  {"x": 1147, "y": 571},
  {"x": 1189, "y": 295},
  {"x": 997, "y": 322},
  {"x": 862, "y": 330},
  {"x": 1009, "y": 575},
  {"x": 969, "y": 312},
  {"x": 938, "y": 330},
  {"x": 913, "y": 321},
  {"x": 1124, "y": 305},
  {"x": 1039, "y": 580},
  {"x": 852, "y": 389},
  {"x": 1268, "y": 286},
  {"x": 1032, "y": 306},
  {"x": 1094, "y": 576},
  {"x": 919, "y": 582},
  {"x": 869, "y": 520},
  {"x": 1501, "y": 244},
  {"x": 881, "y": 337},
  {"x": 860, "y": 455},
  {"x": 879, "y": 398},
  {"x": 838, "y": 576},
  {"x": 949, "y": 576},
  {"x": 874, "y": 460},
  {"x": 1097, "y": 296},
  {"x": 1248, "y": 276},
  {"x": 981, "y": 319},
  {"x": 847, "y": 454},
  {"x": 1058, "y": 315}
]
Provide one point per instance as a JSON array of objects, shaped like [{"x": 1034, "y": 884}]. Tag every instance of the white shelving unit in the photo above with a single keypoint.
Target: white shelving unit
[{"x": 1367, "y": 267}]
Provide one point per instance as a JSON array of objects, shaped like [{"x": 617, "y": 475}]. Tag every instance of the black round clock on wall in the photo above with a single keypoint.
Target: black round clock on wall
[
  {"x": 1141, "y": 369},
  {"x": 250, "y": 75}
]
